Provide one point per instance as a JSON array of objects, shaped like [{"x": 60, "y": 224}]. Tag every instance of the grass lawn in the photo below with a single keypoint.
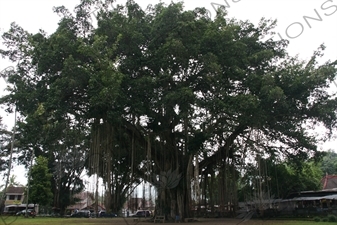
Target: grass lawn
[{"x": 12, "y": 220}]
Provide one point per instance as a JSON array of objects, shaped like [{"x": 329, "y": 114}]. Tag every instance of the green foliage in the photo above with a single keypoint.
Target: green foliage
[
  {"x": 40, "y": 191},
  {"x": 329, "y": 163},
  {"x": 332, "y": 218},
  {"x": 281, "y": 178},
  {"x": 5, "y": 145},
  {"x": 317, "y": 219},
  {"x": 14, "y": 182}
]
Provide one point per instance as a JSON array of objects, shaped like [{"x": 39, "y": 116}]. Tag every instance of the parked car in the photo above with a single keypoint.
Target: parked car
[
  {"x": 103, "y": 213},
  {"x": 31, "y": 212},
  {"x": 81, "y": 214},
  {"x": 142, "y": 213}
]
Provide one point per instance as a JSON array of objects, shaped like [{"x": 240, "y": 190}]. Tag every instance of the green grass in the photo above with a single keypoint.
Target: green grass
[
  {"x": 305, "y": 223},
  {"x": 120, "y": 221},
  {"x": 20, "y": 220},
  {"x": 287, "y": 222}
]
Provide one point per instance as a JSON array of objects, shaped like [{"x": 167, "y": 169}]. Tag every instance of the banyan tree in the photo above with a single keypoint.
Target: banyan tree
[{"x": 170, "y": 97}]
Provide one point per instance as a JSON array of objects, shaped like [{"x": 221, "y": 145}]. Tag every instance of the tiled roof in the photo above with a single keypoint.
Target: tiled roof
[
  {"x": 85, "y": 200},
  {"x": 15, "y": 190},
  {"x": 329, "y": 182},
  {"x": 77, "y": 206}
]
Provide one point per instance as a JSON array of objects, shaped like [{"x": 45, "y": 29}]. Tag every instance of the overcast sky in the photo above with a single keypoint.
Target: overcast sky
[{"x": 305, "y": 23}]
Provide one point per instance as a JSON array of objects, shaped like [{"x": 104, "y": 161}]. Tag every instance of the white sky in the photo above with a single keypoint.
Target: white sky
[{"x": 305, "y": 34}]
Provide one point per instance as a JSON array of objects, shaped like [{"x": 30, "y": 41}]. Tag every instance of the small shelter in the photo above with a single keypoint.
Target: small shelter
[{"x": 311, "y": 202}]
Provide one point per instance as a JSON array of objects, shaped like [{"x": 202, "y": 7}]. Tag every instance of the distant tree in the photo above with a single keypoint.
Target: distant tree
[
  {"x": 3, "y": 152},
  {"x": 309, "y": 177},
  {"x": 279, "y": 179},
  {"x": 13, "y": 181},
  {"x": 329, "y": 163},
  {"x": 40, "y": 191}
]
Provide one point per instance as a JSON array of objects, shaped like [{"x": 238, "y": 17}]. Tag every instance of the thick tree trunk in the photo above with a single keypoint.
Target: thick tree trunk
[
  {"x": 180, "y": 202},
  {"x": 187, "y": 189},
  {"x": 210, "y": 191},
  {"x": 173, "y": 197}
]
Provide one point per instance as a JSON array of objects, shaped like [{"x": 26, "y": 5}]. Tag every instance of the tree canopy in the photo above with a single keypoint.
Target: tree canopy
[
  {"x": 40, "y": 191},
  {"x": 146, "y": 93},
  {"x": 329, "y": 163}
]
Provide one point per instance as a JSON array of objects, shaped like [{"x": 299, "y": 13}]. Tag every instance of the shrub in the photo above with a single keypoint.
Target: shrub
[
  {"x": 317, "y": 219},
  {"x": 332, "y": 218},
  {"x": 325, "y": 219}
]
